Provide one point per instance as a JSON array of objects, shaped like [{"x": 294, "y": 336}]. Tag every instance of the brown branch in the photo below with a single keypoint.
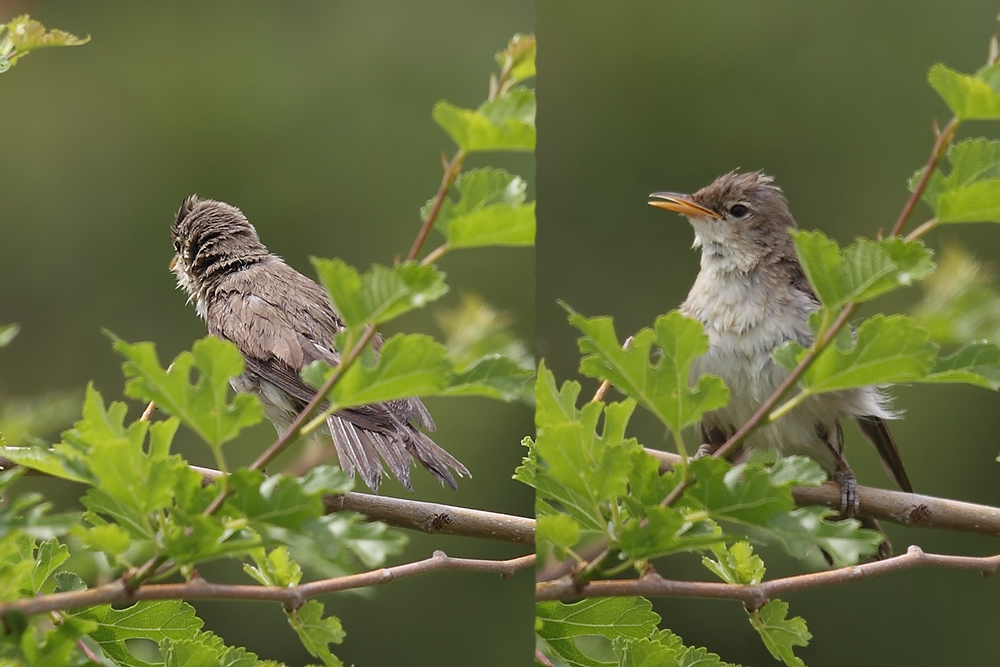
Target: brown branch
[
  {"x": 436, "y": 519},
  {"x": 905, "y": 509},
  {"x": 941, "y": 144},
  {"x": 451, "y": 170},
  {"x": 754, "y": 596},
  {"x": 291, "y": 596},
  {"x": 432, "y": 518}
]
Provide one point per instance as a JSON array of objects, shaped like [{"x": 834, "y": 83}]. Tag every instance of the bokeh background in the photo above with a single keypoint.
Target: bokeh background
[
  {"x": 315, "y": 119},
  {"x": 832, "y": 99}
]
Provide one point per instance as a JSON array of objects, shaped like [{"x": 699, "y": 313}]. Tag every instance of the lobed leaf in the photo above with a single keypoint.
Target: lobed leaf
[
  {"x": 408, "y": 365},
  {"x": 861, "y": 271},
  {"x": 970, "y": 97},
  {"x": 23, "y": 35},
  {"x": 961, "y": 302},
  {"x": 506, "y": 123},
  {"x": 518, "y": 59},
  {"x": 736, "y": 565},
  {"x": 780, "y": 633},
  {"x": 559, "y": 624},
  {"x": 976, "y": 363},
  {"x": 885, "y": 350},
  {"x": 490, "y": 210},
  {"x": 317, "y": 632},
  {"x": 970, "y": 192},
  {"x": 663, "y": 386},
  {"x": 380, "y": 294},
  {"x": 203, "y": 405}
]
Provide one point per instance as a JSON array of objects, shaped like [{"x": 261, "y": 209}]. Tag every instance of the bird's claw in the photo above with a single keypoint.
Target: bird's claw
[{"x": 850, "y": 500}]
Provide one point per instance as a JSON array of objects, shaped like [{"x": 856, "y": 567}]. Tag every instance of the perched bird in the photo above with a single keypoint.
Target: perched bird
[
  {"x": 751, "y": 295},
  {"x": 280, "y": 321}
]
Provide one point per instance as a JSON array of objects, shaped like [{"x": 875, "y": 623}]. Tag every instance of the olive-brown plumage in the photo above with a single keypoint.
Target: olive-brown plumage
[{"x": 281, "y": 321}]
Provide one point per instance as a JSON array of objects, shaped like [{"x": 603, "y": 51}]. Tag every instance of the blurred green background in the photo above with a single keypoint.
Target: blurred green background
[
  {"x": 314, "y": 118},
  {"x": 832, "y": 99}
]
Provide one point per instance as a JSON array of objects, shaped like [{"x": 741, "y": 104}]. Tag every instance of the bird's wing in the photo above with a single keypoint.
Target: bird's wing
[
  {"x": 281, "y": 331},
  {"x": 877, "y": 432}
]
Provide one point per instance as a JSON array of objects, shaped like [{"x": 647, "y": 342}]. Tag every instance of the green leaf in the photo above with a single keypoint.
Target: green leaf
[
  {"x": 408, "y": 365},
  {"x": 57, "y": 645},
  {"x": 203, "y": 405},
  {"x": 109, "y": 538},
  {"x": 780, "y": 633},
  {"x": 961, "y": 302},
  {"x": 744, "y": 494},
  {"x": 24, "y": 35},
  {"x": 25, "y": 515},
  {"x": 558, "y": 529},
  {"x": 475, "y": 331},
  {"x": 49, "y": 555},
  {"x": 7, "y": 333},
  {"x": 885, "y": 350},
  {"x": 970, "y": 192},
  {"x": 976, "y": 363},
  {"x": 494, "y": 377},
  {"x": 380, "y": 294},
  {"x": 22, "y": 419},
  {"x": 559, "y": 625},
  {"x": 504, "y": 124},
  {"x": 972, "y": 97},
  {"x": 806, "y": 531},
  {"x": 736, "y": 565},
  {"x": 861, "y": 271},
  {"x": 490, "y": 210},
  {"x": 278, "y": 500},
  {"x": 518, "y": 58},
  {"x": 666, "y": 531},
  {"x": 151, "y": 620},
  {"x": 275, "y": 568},
  {"x": 662, "y": 387},
  {"x": 316, "y": 632}
]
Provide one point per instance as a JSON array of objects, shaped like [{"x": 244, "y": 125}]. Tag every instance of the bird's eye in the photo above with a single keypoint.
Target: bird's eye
[{"x": 738, "y": 210}]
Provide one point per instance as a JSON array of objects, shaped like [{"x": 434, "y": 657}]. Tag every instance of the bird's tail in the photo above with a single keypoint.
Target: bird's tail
[{"x": 363, "y": 451}]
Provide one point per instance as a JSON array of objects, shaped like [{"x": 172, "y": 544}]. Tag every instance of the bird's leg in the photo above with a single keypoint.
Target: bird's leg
[
  {"x": 850, "y": 502},
  {"x": 712, "y": 437}
]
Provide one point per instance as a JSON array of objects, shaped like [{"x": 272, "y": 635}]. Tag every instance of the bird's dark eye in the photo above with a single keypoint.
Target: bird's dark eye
[{"x": 738, "y": 210}]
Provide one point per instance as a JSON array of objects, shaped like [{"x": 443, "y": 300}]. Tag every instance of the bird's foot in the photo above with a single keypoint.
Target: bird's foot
[
  {"x": 850, "y": 500},
  {"x": 706, "y": 449}
]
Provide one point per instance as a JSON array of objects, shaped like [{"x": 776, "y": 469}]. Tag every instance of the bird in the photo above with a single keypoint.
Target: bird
[
  {"x": 751, "y": 295},
  {"x": 280, "y": 321}
]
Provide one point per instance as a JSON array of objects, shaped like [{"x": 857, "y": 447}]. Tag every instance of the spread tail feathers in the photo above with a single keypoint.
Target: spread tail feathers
[{"x": 363, "y": 451}]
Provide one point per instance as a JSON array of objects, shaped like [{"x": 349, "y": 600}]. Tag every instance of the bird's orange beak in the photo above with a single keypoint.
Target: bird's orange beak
[
  {"x": 173, "y": 262},
  {"x": 683, "y": 204}
]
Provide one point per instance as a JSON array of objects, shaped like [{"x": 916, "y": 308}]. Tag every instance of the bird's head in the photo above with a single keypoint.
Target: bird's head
[
  {"x": 211, "y": 238},
  {"x": 741, "y": 217}
]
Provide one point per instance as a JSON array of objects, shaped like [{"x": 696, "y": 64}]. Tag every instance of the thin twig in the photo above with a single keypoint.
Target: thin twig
[
  {"x": 292, "y": 597},
  {"x": 755, "y": 596},
  {"x": 941, "y": 143},
  {"x": 451, "y": 170}
]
